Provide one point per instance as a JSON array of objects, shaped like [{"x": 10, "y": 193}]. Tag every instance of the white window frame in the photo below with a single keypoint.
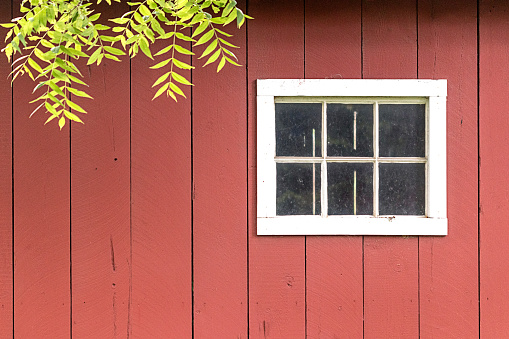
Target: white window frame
[{"x": 435, "y": 220}]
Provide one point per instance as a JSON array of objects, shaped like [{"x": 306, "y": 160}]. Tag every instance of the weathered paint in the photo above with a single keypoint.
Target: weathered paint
[
  {"x": 133, "y": 221},
  {"x": 219, "y": 197},
  {"x": 334, "y": 272},
  {"x": 6, "y": 266},
  {"x": 448, "y": 266},
  {"x": 494, "y": 181},
  {"x": 391, "y": 277}
]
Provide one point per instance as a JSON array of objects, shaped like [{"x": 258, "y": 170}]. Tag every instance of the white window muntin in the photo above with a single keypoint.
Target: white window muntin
[{"x": 433, "y": 92}]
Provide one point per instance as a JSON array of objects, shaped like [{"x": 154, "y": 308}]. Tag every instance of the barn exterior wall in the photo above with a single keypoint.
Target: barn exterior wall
[{"x": 142, "y": 222}]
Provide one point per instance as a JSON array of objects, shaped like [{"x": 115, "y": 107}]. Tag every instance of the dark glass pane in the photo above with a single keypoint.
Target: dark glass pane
[
  {"x": 402, "y": 189},
  {"x": 297, "y": 125},
  {"x": 402, "y": 130},
  {"x": 295, "y": 194},
  {"x": 350, "y": 190},
  {"x": 349, "y": 130}
]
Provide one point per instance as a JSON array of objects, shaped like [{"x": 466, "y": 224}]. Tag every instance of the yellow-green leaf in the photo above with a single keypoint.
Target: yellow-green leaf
[
  {"x": 161, "y": 79},
  {"x": 161, "y": 90},
  {"x": 176, "y": 89},
  {"x": 114, "y": 51},
  {"x": 72, "y": 116},
  {"x": 181, "y": 64},
  {"x": 211, "y": 47},
  {"x": 180, "y": 79},
  {"x": 61, "y": 122},
  {"x": 75, "y": 106},
  {"x": 144, "y": 47},
  {"x": 161, "y": 64},
  {"x": 221, "y": 64},
  {"x": 78, "y": 92},
  {"x": 205, "y": 37}
]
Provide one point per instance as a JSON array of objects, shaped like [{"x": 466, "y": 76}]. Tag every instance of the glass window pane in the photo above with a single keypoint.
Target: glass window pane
[
  {"x": 298, "y": 127},
  {"x": 402, "y": 130},
  {"x": 350, "y": 188},
  {"x": 298, "y": 189},
  {"x": 402, "y": 189},
  {"x": 349, "y": 130}
]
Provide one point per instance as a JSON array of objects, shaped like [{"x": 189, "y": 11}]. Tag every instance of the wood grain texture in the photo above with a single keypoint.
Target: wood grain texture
[
  {"x": 276, "y": 264},
  {"x": 100, "y": 197},
  {"x": 42, "y": 301},
  {"x": 161, "y": 301},
  {"x": 391, "y": 288},
  {"x": 6, "y": 268},
  {"x": 494, "y": 182},
  {"x": 220, "y": 196},
  {"x": 448, "y": 265},
  {"x": 334, "y": 264}
]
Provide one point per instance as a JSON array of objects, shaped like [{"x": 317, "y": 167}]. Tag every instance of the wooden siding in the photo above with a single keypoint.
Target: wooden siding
[{"x": 142, "y": 222}]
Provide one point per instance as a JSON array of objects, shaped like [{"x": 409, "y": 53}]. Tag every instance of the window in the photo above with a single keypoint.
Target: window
[{"x": 351, "y": 157}]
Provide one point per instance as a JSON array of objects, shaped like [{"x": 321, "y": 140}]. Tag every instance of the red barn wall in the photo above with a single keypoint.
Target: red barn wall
[{"x": 142, "y": 222}]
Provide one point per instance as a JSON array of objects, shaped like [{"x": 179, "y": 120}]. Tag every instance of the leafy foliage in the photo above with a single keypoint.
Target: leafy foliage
[{"x": 51, "y": 35}]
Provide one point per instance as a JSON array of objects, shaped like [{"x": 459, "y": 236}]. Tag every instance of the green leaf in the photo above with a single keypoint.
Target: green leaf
[
  {"x": 205, "y": 37},
  {"x": 223, "y": 33},
  {"x": 183, "y": 50},
  {"x": 231, "y": 61},
  {"x": 76, "y": 80},
  {"x": 111, "y": 57},
  {"x": 50, "y": 108},
  {"x": 240, "y": 18},
  {"x": 181, "y": 64},
  {"x": 95, "y": 17},
  {"x": 78, "y": 92},
  {"x": 164, "y": 50},
  {"x": 180, "y": 79},
  {"x": 161, "y": 79},
  {"x": 34, "y": 65},
  {"x": 144, "y": 47},
  {"x": 75, "y": 106},
  {"x": 200, "y": 28},
  {"x": 161, "y": 90},
  {"x": 211, "y": 47},
  {"x": 113, "y": 50},
  {"x": 8, "y": 25},
  {"x": 72, "y": 116},
  {"x": 221, "y": 64},
  {"x": 120, "y": 21},
  {"x": 55, "y": 87},
  {"x": 93, "y": 58},
  {"x": 161, "y": 64},
  {"x": 177, "y": 90},
  {"x": 61, "y": 122},
  {"x": 51, "y": 117},
  {"x": 213, "y": 58}
]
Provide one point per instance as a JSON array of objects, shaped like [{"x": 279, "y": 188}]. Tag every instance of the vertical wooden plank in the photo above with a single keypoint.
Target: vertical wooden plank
[
  {"x": 276, "y": 264},
  {"x": 161, "y": 301},
  {"x": 391, "y": 294},
  {"x": 100, "y": 196},
  {"x": 6, "y": 268},
  {"x": 42, "y": 301},
  {"x": 334, "y": 264},
  {"x": 220, "y": 196},
  {"x": 494, "y": 182},
  {"x": 448, "y": 265}
]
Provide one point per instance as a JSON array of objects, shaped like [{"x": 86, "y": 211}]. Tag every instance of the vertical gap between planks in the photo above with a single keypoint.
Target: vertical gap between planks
[
  {"x": 70, "y": 225},
  {"x": 362, "y": 77},
  {"x": 12, "y": 187},
  {"x": 129, "y": 301},
  {"x": 247, "y": 169},
  {"x": 478, "y": 172},
  {"x": 305, "y": 238},
  {"x": 192, "y": 195},
  {"x": 418, "y": 238}
]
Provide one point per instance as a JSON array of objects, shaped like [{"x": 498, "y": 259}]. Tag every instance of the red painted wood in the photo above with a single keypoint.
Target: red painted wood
[
  {"x": 391, "y": 295},
  {"x": 6, "y": 269},
  {"x": 494, "y": 184},
  {"x": 220, "y": 196},
  {"x": 448, "y": 265},
  {"x": 42, "y": 300},
  {"x": 161, "y": 300},
  {"x": 100, "y": 196},
  {"x": 334, "y": 264},
  {"x": 276, "y": 264}
]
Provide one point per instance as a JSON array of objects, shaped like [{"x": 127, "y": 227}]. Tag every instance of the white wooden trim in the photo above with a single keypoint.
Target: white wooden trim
[
  {"x": 351, "y": 87},
  {"x": 351, "y": 225},
  {"x": 435, "y": 221}
]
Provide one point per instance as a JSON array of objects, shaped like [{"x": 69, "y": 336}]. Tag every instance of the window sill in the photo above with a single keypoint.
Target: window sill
[{"x": 351, "y": 225}]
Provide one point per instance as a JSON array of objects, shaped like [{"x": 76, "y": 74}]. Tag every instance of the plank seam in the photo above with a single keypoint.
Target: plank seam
[
  {"x": 305, "y": 237},
  {"x": 247, "y": 171},
  {"x": 12, "y": 187},
  {"x": 129, "y": 301},
  {"x": 362, "y": 77},
  {"x": 478, "y": 174},
  {"x": 418, "y": 238},
  {"x": 192, "y": 199}
]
